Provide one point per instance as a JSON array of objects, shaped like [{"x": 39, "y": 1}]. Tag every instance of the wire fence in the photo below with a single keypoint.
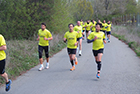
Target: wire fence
[{"x": 128, "y": 19}]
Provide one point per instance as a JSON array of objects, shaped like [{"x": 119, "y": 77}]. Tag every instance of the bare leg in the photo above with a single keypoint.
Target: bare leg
[{"x": 5, "y": 76}]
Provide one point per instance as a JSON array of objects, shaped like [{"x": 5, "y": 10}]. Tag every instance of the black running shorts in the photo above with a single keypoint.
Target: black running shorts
[
  {"x": 40, "y": 51},
  {"x": 71, "y": 51},
  {"x": 2, "y": 66},
  {"x": 96, "y": 52}
]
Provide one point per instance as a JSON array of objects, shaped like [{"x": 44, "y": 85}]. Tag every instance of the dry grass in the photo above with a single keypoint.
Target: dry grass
[{"x": 130, "y": 35}]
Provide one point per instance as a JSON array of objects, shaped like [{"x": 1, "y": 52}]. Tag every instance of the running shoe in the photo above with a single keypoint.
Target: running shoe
[
  {"x": 41, "y": 68},
  {"x": 47, "y": 66},
  {"x": 108, "y": 41},
  {"x": 98, "y": 75},
  {"x": 107, "y": 38},
  {"x": 8, "y": 87},
  {"x": 73, "y": 68},
  {"x": 76, "y": 62}
]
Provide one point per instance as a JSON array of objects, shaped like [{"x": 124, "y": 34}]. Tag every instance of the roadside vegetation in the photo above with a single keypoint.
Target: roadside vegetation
[{"x": 130, "y": 35}]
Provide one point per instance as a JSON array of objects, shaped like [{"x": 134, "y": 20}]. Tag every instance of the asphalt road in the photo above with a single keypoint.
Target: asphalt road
[{"x": 120, "y": 74}]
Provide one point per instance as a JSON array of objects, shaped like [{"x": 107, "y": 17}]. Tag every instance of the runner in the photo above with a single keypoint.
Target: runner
[
  {"x": 44, "y": 36},
  {"x": 71, "y": 38},
  {"x": 108, "y": 31},
  {"x": 3, "y": 63},
  {"x": 87, "y": 26},
  {"x": 84, "y": 30},
  {"x": 104, "y": 24},
  {"x": 97, "y": 38},
  {"x": 81, "y": 22},
  {"x": 93, "y": 26},
  {"x": 78, "y": 29}
]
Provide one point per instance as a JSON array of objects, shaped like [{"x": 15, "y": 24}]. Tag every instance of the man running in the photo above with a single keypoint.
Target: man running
[
  {"x": 87, "y": 26},
  {"x": 81, "y": 22},
  {"x": 71, "y": 38},
  {"x": 93, "y": 26},
  {"x": 97, "y": 38},
  {"x": 44, "y": 36},
  {"x": 108, "y": 31},
  {"x": 104, "y": 24},
  {"x": 78, "y": 29},
  {"x": 84, "y": 30},
  {"x": 3, "y": 63}
]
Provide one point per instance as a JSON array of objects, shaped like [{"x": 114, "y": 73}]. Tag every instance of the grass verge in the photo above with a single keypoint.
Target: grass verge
[
  {"x": 129, "y": 35},
  {"x": 22, "y": 55}
]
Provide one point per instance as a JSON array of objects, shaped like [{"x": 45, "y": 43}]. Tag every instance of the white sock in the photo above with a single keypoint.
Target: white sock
[
  {"x": 77, "y": 49},
  {"x": 80, "y": 51},
  {"x": 41, "y": 65},
  {"x": 47, "y": 64}
]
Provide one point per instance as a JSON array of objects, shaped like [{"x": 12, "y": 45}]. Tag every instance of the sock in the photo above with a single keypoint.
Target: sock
[
  {"x": 77, "y": 49},
  {"x": 7, "y": 82},
  {"x": 80, "y": 51},
  {"x": 47, "y": 64},
  {"x": 41, "y": 65},
  {"x": 72, "y": 63}
]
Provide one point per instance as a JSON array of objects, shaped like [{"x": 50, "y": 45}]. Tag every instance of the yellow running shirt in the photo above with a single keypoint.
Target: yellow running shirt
[
  {"x": 104, "y": 25},
  {"x": 88, "y": 26},
  {"x": 98, "y": 43},
  {"x": 2, "y": 43},
  {"x": 81, "y": 22},
  {"x": 83, "y": 26},
  {"x": 93, "y": 28},
  {"x": 108, "y": 29},
  {"x": 71, "y": 39},
  {"x": 42, "y": 34},
  {"x": 78, "y": 28}
]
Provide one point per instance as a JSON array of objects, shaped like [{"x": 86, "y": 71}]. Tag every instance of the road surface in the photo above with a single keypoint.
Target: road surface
[{"x": 120, "y": 74}]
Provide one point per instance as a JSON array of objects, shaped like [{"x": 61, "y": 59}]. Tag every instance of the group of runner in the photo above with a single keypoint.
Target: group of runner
[{"x": 95, "y": 33}]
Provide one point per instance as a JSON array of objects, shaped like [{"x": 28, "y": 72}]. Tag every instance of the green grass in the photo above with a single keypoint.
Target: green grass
[{"x": 22, "y": 55}]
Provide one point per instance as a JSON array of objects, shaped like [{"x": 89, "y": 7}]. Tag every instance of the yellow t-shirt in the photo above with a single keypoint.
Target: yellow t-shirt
[
  {"x": 83, "y": 26},
  {"x": 81, "y": 22},
  {"x": 2, "y": 43},
  {"x": 42, "y": 34},
  {"x": 93, "y": 28},
  {"x": 78, "y": 28},
  {"x": 108, "y": 29},
  {"x": 98, "y": 43},
  {"x": 104, "y": 25},
  {"x": 95, "y": 22},
  {"x": 71, "y": 39},
  {"x": 88, "y": 26}
]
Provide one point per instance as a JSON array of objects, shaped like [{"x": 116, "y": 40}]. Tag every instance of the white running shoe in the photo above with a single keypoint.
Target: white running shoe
[
  {"x": 41, "y": 68},
  {"x": 47, "y": 66}
]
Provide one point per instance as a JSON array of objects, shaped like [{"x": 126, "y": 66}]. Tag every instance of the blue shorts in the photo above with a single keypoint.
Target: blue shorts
[
  {"x": 79, "y": 38},
  {"x": 108, "y": 33}
]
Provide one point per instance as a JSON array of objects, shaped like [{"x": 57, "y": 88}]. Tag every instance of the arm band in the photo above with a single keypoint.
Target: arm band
[{"x": 89, "y": 41}]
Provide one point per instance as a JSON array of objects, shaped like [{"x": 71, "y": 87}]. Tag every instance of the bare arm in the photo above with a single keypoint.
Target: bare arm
[
  {"x": 64, "y": 39},
  {"x": 105, "y": 41},
  {"x": 3, "y": 47},
  {"x": 38, "y": 38},
  {"x": 76, "y": 43},
  {"x": 48, "y": 38}
]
